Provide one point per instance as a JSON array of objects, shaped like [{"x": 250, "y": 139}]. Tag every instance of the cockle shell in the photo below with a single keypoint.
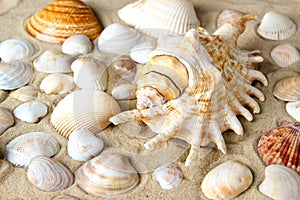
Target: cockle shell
[
  {"x": 125, "y": 67},
  {"x": 140, "y": 52},
  {"x": 281, "y": 145},
  {"x": 124, "y": 91},
  {"x": 227, "y": 16},
  {"x": 48, "y": 174},
  {"x": 281, "y": 183},
  {"x": 168, "y": 177},
  {"x": 6, "y": 120},
  {"x": 53, "y": 23},
  {"x": 227, "y": 180},
  {"x": 16, "y": 49},
  {"x": 65, "y": 197},
  {"x": 293, "y": 109},
  {"x": 57, "y": 83},
  {"x": 23, "y": 148},
  {"x": 287, "y": 89},
  {"x": 77, "y": 44},
  {"x": 156, "y": 17},
  {"x": 285, "y": 55},
  {"x": 31, "y": 112},
  {"x": 276, "y": 26},
  {"x": 84, "y": 109},
  {"x": 84, "y": 145},
  {"x": 25, "y": 93},
  {"x": 107, "y": 176}
]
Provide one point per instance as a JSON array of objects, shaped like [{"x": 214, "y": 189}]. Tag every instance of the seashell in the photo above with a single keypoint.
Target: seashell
[
  {"x": 84, "y": 109},
  {"x": 6, "y": 120},
  {"x": 57, "y": 83},
  {"x": 53, "y": 23},
  {"x": 156, "y": 17},
  {"x": 124, "y": 91},
  {"x": 168, "y": 177},
  {"x": 118, "y": 38},
  {"x": 293, "y": 109},
  {"x": 25, "y": 93},
  {"x": 31, "y": 112},
  {"x": 281, "y": 145},
  {"x": 280, "y": 183},
  {"x": 227, "y": 180},
  {"x": 16, "y": 49},
  {"x": 6, "y": 5},
  {"x": 227, "y": 16},
  {"x": 288, "y": 89},
  {"x": 107, "y": 176},
  {"x": 125, "y": 67},
  {"x": 285, "y": 55},
  {"x": 276, "y": 26},
  {"x": 14, "y": 75},
  {"x": 48, "y": 174},
  {"x": 77, "y": 44},
  {"x": 140, "y": 52},
  {"x": 54, "y": 62},
  {"x": 64, "y": 197},
  {"x": 84, "y": 145},
  {"x": 90, "y": 73},
  {"x": 23, "y": 148}
]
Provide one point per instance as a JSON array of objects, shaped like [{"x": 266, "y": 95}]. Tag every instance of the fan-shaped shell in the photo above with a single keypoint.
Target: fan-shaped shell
[
  {"x": 281, "y": 145},
  {"x": 288, "y": 89},
  {"x": 140, "y": 52},
  {"x": 228, "y": 16},
  {"x": 285, "y": 55},
  {"x": 124, "y": 91},
  {"x": 23, "y": 148},
  {"x": 281, "y": 183},
  {"x": 227, "y": 180},
  {"x": 168, "y": 177},
  {"x": 57, "y": 83},
  {"x": 125, "y": 67},
  {"x": 31, "y": 112},
  {"x": 6, "y": 120},
  {"x": 84, "y": 109},
  {"x": 293, "y": 109},
  {"x": 107, "y": 175},
  {"x": 276, "y": 26},
  {"x": 25, "y": 93},
  {"x": 77, "y": 44},
  {"x": 53, "y": 23},
  {"x": 48, "y": 174}
]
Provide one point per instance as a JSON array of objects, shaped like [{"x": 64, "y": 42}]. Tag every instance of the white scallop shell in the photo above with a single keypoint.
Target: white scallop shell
[
  {"x": 25, "y": 93},
  {"x": 77, "y": 44},
  {"x": 6, "y": 120},
  {"x": 285, "y": 55},
  {"x": 57, "y": 83},
  {"x": 23, "y": 148},
  {"x": 124, "y": 92},
  {"x": 169, "y": 177},
  {"x": 31, "y": 112},
  {"x": 139, "y": 53},
  {"x": 293, "y": 109}
]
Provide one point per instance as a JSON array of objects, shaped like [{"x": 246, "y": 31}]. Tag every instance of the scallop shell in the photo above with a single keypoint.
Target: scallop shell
[
  {"x": 90, "y": 73},
  {"x": 281, "y": 145},
  {"x": 168, "y": 177},
  {"x": 77, "y": 44},
  {"x": 288, "y": 89},
  {"x": 276, "y": 26},
  {"x": 84, "y": 109},
  {"x": 118, "y": 38},
  {"x": 6, "y": 120},
  {"x": 124, "y": 92},
  {"x": 53, "y": 23},
  {"x": 285, "y": 55},
  {"x": 228, "y": 16},
  {"x": 23, "y": 148},
  {"x": 293, "y": 109},
  {"x": 25, "y": 93},
  {"x": 140, "y": 52},
  {"x": 227, "y": 180},
  {"x": 31, "y": 112},
  {"x": 125, "y": 67},
  {"x": 48, "y": 174},
  {"x": 57, "y": 83},
  {"x": 16, "y": 49},
  {"x": 65, "y": 197},
  {"x": 14, "y": 75},
  {"x": 281, "y": 183},
  {"x": 84, "y": 145},
  {"x": 107, "y": 176}
]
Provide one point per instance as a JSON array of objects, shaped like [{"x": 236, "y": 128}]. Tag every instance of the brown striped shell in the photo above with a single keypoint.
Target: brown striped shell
[{"x": 288, "y": 89}]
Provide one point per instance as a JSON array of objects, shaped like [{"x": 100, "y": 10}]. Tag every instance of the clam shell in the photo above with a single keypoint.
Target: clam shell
[
  {"x": 57, "y": 83},
  {"x": 48, "y": 174},
  {"x": 228, "y": 16},
  {"x": 281, "y": 183},
  {"x": 124, "y": 92},
  {"x": 25, "y": 93},
  {"x": 281, "y": 145},
  {"x": 125, "y": 67},
  {"x": 293, "y": 109},
  {"x": 140, "y": 52},
  {"x": 285, "y": 55},
  {"x": 288, "y": 89},
  {"x": 84, "y": 145},
  {"x": 53, "y": 23},
  {"x": 6, "y": 120},
  {"x": 84, "y": 109},
  {"x": 64, "y": 197},
  {"x": 168, "y": 177},
  {"x": 276, "y": 26},
  {"x": 107, "y": 176},
  {"x": 227, "y": 180},
  {"x": 31, "y": 112},
  {"x": 77, "y": 44},
  {"x": 23, "y": 148}
]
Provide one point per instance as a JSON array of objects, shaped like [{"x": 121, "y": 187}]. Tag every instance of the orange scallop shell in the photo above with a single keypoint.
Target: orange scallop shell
[{"x": 61, "y": 19}]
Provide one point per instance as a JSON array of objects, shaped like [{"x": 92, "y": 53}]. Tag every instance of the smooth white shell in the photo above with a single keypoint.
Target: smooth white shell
[
  {"x": 139, "y": 53},
  {"x": 293, "y": 109},
  {"x": 31, "y": 112},
  {"x": 6, "y": 120},
  {"x": 77, "y": 44},
  {"x": 57, "y": 83},
  {"x": 285, "y": 55},
  {"x": 124, "y": 92},
  {"x": 25, "y": 93},
  {"x": 169, "y": 177}
]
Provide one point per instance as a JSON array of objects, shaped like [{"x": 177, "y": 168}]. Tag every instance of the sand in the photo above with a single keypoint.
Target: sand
[{"x": 130, "y": 138}]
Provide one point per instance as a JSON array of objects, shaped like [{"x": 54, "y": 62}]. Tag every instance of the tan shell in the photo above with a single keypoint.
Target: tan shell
[
  {"x": 288, "y": 89},
  {"x": 285, "y": 55},
  {"x": 6, "y": 120},
  {"x": 53, "y": 23},
  {"x": 57, "y": 83},
  {"x": 293, "y": 109},
  {"x": 77, "y": 44},
  {"x": 228, "y": 16},
  {"x": 65, "y": 197},
  {"x": 6, "y": 5},
  {"x": 31, "y": 112},
  {"x": 25, "y": 93},
  {"x": 168, "y": 177},
  {"x": 281, "y": 146}
]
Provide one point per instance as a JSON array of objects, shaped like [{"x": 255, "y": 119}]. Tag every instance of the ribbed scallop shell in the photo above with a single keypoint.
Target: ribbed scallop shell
[
  {"x": 168, "y": 177},
  {"x": 288, "y": 89},
  {"x": 293, "y": 109},
  {"x": 228, "y": 16},
  {"x": 57, "y": 83},
  {"x": 285, "y": 55},
  {"x": 25, "y": 93},
  {"x": 107, "y": 176},
  {"x": 48, "y": 174},
  {"x": 227, "y": 180},
  {"x": 23, "y": 148},
  {"x": 84, "y": 109},
  {"x": 53, "y": 23},
  {"x": 124, "y": 91},
  {"x": 140, "y": 52},
  {"x": 77, "y": 44},
  {"x": 281, "y": 145},
  {"x": 281, "y": 183},
  {"x": 6, "y": 120},
  {"x": 31, "y": 112}
]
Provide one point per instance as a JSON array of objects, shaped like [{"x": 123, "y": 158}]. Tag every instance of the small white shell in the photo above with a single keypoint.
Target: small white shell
[
  {"x": 285, "y": 55},
  {"x": 77, "y": 44},
  {"x": 139, "y": 53},
  {"x": 30, "y": 112},
  {"x": 25, "y": 93},
  {"x": 124, "y": 92},
  {"x": 84, "y": 145},
  {"x": 293, "y": 109},
  {"x": 23, "y": 148},
  {"x": 57, "y": 83},
  {"x": 6, "y": 120},
  {"x": 169, "y": 177}
]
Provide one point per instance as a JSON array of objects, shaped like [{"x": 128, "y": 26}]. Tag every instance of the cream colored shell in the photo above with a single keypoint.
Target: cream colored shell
[
  {"x": 31, "y": 112},
  {"x": 124, "y": 91},
  {"x": 77, "y": 44},
  {"x": 6, "y": 119},
  {"x": 57, "y": 83},
  {"x": 169, "y": 177},
  {"x": 293, "y": 109},
  {"x": 25, "y": 93},
  {"x": 285, "y": 55},
  {"x": 228, "y": 16},
  {"x": 288, "y": 89}
]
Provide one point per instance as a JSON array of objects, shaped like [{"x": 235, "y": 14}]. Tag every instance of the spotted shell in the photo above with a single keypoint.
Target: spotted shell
[
  {"x": 168, "y": 177},
  {"x": 281, "y": 145},
  {"x": 287, "y": 89},
  {"x": 6, "y": 119},
  {"x": 227, "y": 16},
  {"x": 53, "y": 23},
  {"x": 57, "y": 83},
  {"x": 25, "y": 93},
  {"x": 31, "y": 112},
  {"x": 285, "y": 55},
  {"x": 76, "y": 45}
]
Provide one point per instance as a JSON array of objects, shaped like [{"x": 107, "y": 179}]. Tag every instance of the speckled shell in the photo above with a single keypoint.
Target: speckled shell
[
  {"x": 57, "y": 83},
  {"x": 23, "y": 148},
  {"x": 6, "y": 120},
  {"x": 25, "y": 93},
  {"x": 53, "y": 23},
  {"x": 281, "y": 145},
  {"x": 77, "y": 44},
  {"x": 287, "y": 89},
  {"x": 285, "y": 55},
  {"x": 168, "y": 177},
  {"x": 31, "y": 112},
  {"x": 124, "y": 91},
  {"x": 107, "y": 176}
]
